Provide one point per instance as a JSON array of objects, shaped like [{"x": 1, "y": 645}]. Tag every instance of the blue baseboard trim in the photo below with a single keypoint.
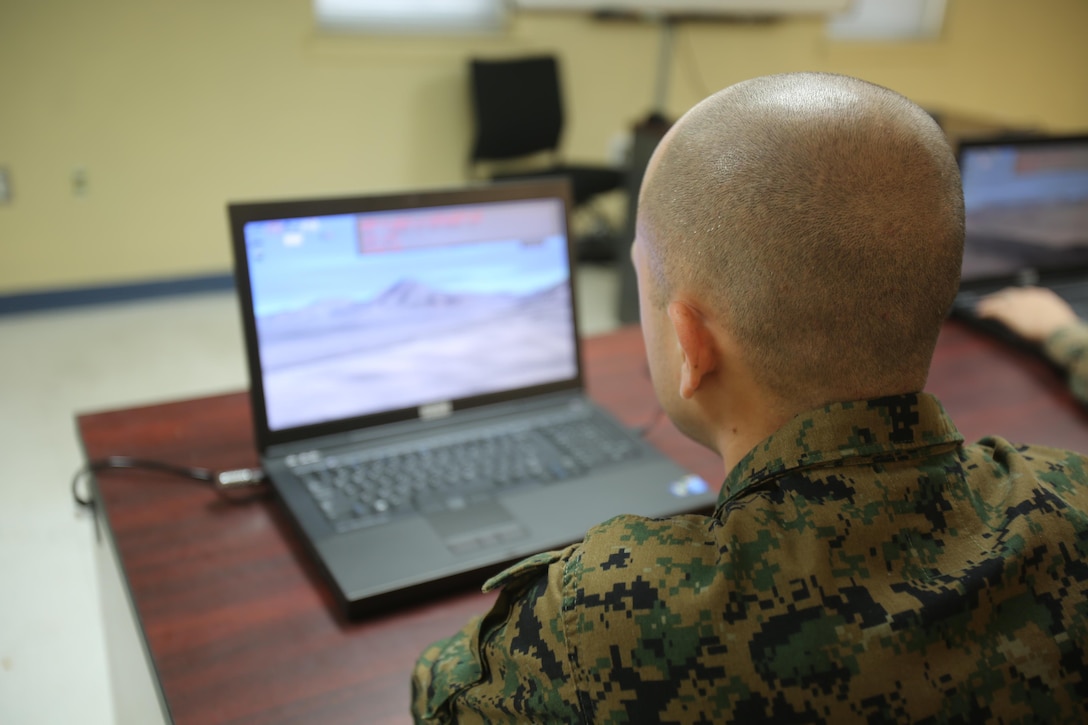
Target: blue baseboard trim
[{"x": 81, "y": 297}]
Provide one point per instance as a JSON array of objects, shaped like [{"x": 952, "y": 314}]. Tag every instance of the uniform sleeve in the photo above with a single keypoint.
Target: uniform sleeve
[
  {"x": 512, "y": 664},
  {"x": 1068, "y": 347}
]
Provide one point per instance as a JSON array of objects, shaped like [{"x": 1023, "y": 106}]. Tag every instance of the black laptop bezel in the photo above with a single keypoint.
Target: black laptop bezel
[{"x": 242, "y": 213}]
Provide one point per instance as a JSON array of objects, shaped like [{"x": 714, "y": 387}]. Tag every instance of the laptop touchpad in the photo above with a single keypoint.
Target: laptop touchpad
[{"x": 477, "y": 526}]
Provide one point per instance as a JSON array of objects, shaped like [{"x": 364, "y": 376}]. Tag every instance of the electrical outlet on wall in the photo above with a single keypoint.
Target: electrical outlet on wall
[
  {"x": 5, "y": 186},
  {"x": 80, "y": 181}
]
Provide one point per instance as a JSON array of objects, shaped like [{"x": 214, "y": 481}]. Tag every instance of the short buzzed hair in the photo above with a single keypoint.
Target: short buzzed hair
[{"x": 821, "y": 217}]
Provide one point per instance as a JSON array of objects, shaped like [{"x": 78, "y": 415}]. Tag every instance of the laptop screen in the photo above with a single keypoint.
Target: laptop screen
[
  {"x": 367, "y": 312},
  {"x": 1027, "y": 206}
]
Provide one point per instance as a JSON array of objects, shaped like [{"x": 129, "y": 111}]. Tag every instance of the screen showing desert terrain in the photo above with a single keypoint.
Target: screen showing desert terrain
[{"x": 365, "y": 313}]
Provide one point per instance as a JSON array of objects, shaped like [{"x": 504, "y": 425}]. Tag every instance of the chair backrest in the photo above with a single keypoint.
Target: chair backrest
[{"x": 517, "y": 106}]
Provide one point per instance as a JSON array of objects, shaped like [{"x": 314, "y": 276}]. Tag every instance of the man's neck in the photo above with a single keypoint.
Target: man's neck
[{"x": 740, "y": 433}]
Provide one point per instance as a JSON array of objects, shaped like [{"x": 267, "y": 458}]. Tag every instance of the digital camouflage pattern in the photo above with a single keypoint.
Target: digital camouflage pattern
[
  {"x": 1068, "y": 347},
  {"x": 863, "y": 565}
]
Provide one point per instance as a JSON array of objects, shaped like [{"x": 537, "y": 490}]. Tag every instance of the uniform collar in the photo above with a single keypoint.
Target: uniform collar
[{"x": 893, "y": 428}]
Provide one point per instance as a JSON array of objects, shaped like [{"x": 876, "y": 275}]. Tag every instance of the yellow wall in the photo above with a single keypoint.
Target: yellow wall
[{"x": 173, "y": 108}]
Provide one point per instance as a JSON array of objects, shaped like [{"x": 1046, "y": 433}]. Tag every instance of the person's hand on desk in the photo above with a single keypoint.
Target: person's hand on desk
[
  {"x": 1033, "y": 313},
  {"x": 1042, "y": 317}
]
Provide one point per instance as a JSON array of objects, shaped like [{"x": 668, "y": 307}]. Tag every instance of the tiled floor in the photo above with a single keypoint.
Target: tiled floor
[{"x": 54, "y": 365}]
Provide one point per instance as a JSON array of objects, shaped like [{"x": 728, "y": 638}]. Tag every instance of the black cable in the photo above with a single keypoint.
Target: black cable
[{"x": 222, "y": 482}]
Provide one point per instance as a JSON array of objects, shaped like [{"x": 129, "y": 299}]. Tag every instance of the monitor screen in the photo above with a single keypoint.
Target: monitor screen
[
  {"x": 1026, "y": 204},
  {"x": 364, "y": 313}
]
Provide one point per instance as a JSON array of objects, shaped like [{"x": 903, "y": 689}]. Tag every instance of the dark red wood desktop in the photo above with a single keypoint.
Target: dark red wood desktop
[{"x": 237, "y": 621}]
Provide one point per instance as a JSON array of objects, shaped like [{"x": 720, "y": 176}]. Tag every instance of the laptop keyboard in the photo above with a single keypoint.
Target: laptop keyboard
[
  {"x": 1075, "y": 293},
  {"x": 372, "y": 487}
]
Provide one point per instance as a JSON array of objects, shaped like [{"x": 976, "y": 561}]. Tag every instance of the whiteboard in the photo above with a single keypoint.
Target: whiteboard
[{"x": 692, "y": 7}]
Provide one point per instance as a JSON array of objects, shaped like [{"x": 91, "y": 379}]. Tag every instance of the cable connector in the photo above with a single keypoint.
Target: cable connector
[
  {"x": 223, "y": 483},
  {"x": 239, "y": 478}
]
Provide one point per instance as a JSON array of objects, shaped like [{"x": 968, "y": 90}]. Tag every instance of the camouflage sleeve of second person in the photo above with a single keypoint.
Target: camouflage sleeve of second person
[{"x": 1068, "y": 347}]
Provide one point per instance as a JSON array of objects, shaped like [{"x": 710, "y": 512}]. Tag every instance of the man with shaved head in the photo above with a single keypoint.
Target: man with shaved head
[{"x": 798, "y": 246}]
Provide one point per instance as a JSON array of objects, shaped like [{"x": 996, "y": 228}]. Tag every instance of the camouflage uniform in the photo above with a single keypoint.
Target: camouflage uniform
[
  {"x": 862, "y": 565},
  {"x": 1068, "y": 347}
]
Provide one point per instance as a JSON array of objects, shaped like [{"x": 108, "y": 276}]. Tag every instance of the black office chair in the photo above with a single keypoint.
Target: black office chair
[{"x": 518, "y": 108}]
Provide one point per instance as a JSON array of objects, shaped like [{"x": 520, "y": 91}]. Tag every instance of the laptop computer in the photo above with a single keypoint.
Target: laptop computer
[
  {"x": 417, "y": 387},
  {"x": 1026, "y": 205}
]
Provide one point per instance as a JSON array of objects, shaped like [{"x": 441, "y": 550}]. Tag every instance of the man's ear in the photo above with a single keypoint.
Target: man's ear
[{"x": 699, "y": 355}]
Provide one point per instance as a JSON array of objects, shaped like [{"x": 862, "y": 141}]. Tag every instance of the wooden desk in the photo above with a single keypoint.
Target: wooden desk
[{"x": 236, "y": 619}]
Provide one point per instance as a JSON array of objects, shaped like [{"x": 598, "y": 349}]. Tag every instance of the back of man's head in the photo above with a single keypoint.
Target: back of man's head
[{"x": 820, "y": 218}]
